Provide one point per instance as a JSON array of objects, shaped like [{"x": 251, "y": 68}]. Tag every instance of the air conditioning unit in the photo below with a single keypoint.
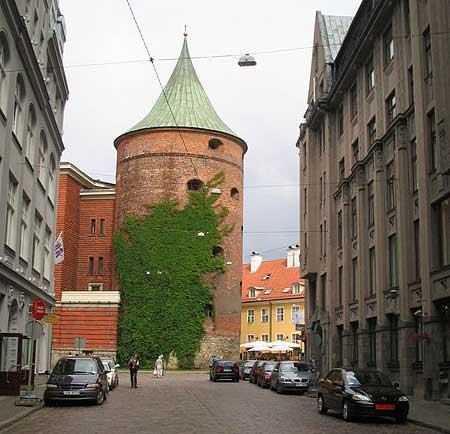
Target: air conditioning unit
[{"x": 216, "y": 191}]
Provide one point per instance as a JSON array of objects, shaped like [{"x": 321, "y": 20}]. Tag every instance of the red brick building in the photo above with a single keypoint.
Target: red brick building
[{"x": 179, "y": 146}]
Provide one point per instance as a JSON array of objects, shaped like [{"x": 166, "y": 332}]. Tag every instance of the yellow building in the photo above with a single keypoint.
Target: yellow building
[{"x": 272, "y": 299}]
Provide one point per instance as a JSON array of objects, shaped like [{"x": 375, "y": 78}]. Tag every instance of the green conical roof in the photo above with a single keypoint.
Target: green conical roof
[{"x": 190, "y": 105}]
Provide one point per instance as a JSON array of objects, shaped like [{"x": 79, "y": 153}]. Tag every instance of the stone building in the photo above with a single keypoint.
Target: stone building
[
  {"x": 375, "y": 193},
  {"x": 159, "y": 159},
  {"x": 33, "y": 92}
]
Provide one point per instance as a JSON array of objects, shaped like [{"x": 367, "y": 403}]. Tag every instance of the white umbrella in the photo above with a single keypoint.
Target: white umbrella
[
  {"x": 252, "y": 344},
  {"x": 259, "y": 348},
  {"x": 272, "y": 344},
  {"x": 293, "y": 345},
  {"x": 280, "y": 348}
]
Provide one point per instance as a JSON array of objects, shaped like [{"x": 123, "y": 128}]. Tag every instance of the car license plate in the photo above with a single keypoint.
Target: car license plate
[
  {"x": 227, "y": 370},
  {"x": 71, "y": 392},
  {"x": 385, "y": 407}
]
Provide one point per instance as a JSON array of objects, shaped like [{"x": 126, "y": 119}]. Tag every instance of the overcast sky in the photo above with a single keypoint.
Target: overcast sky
[{"x": 264, "y": 105}]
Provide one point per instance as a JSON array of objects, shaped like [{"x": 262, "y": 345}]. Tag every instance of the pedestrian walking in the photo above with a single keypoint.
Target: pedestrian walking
[
  {"x": 158, "y": 367},
  {"x": 133, "y": 364}
]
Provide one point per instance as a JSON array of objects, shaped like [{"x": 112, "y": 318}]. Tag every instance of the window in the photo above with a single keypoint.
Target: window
[
  {"x": 295, "y": 338},
  {"x": 29, "y": 138},
  {"x": 321, "y": 240},
  {"x": 321, "y": 191},
  {"x": 214, "y": 143},
  {"x": 353, "y": 101},
  {"x": 25, "y": 216},
  {"x": 372, "y": 324},
  {"x": 100, "y": 265},
  {"x": 295, "y": 310},
  {"x": 250, "y": 316},
  {"x": 341, "y": 286},
  {"x": 321, "y": 138},
  {"x": 393, "y": 263},
  {"x": 388, "y": 44},
  {"x": 355, "y": 353},
  {"x": 355, "y": 152},
  {"x": 36, "y": 258},
  {"x": 354, "y": 226},
  {"x": 432, "y": 138},
  {"x": 370, "y": 74},
  {"x": 417, "y": 250},
  {"x": 41, "y": 169},
  {"x": 407, "y": 17},
  {"x": 415, "y": 179},
  {"x": 371, "y": 132},
  {"x": 340, "y": 121},
  {"x": 370, "y": 204},
  {"x": 390, "y": 174},
  {"x": 442, "y": 217},
  {"x": 393, "y": 335},
  {"x": 391, "y": 111},
  {"x": 252, "y": 293},
  {"x": 93, "y": 225},
  {"x": 419, "y": 343},
  {"x": 342, "y": 169},
  {"x": 19, "y": 97},
  {"x": 296, "y": 289},
  {"x": 280, "y": 336},
  {"x": 264, "y": 315},
  {"x": 323, "y": 287},
  {"x": 324, "y": 249},
  {"x": 234, "y": 193},
  {"x": 372, "y": 272},
  {"x": 250, "y": 338},
  {"x": 428, "y": 54},
  {"x": 102, "y": 227},
  {"x": 280, "y": 314},
  {"x": 4, "y": 58},
  {"x": 265, "y": 337},
  {"x": 91, "y": 265},
  {"x": 51, "y": 179},
  {"x": 410, "y": 86},
  {"x": 354, "y": 295},
  {"x": 11, "y": 213},
  {"x": 95, "y": 287},
  {"x": 266, "y": 276},
  {"x": 339, "y": 228},
  {"x": 209, "y": 310},
  {"x": 47, "y": 250},
  {"x": 340, "y": 352},
  {"x": 195, "y": 185}
]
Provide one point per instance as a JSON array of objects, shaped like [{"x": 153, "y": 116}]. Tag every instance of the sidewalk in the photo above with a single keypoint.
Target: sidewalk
[
  {"x": 430, "y": 414},
  {"x": 11, "y": 413}
]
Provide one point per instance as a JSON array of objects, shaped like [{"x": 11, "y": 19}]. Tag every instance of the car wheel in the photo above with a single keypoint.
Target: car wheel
[
  {"x": 100, "y": 398},
  {"x": 278, "y": 388},
  {"x": 346, "y": 412},
  {"x": 236, "y": 380},
  {"x": 321, "y": 408}
]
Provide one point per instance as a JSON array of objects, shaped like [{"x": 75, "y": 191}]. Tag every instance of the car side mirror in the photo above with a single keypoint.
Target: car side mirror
[
  {"x": 396, "y": 385},
  {"x": 117, "y": 365}
]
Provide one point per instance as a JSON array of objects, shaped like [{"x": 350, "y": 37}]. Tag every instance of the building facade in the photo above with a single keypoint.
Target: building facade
[
  {"x": 375, "y": 193},
  {"x": 272, "y": 300},
  {"x": 33, "y": 92},
  {"x": 85, "y": 300}
]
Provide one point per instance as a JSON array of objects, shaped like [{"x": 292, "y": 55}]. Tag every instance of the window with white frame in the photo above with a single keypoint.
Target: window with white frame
[
  {"x": 264, "y": 315},
  {"x": 41, "y": 169},
  {"x": 295, "y": 311},
  {"x": 24, "y": 237},
  {"x": 36, "y": 258},
  {"x": 280, "y": 336},
  {"x": 250, "y": 316},
  {"x": 11, "y": 213},
  {"x": 29, "y": 135},
  {"x": 47, "y": 250},
  {"x": 95, "y": 287},
  {"x": 51, "y": 179},
  {"x": 295, "y": 337},
  {"x": 252, "y": 293},
  {"x": 4, "y": 58},
  {"x": 19, "y": 98},
  {"x": 265, "y": 337},
  {"x": 250, "y": 338},
  {"x": 296, "y": 290},
  {"x": 280, "y": 314}
]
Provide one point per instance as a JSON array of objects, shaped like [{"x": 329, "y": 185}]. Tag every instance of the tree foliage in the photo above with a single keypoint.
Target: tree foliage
[{"x": 162, "y": 265}]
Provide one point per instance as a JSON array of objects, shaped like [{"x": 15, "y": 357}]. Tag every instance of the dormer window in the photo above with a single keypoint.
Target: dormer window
[
  {"x": 267, "y": 291},
  {"x": 266, "y": 276},
  {"x": 296, "y": 290},
  {"x": 252, "y": 293},
  {"x": 286, "y": 290}
]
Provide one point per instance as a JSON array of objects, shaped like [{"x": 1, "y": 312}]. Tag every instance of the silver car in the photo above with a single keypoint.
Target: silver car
[
  {"x": 290, "y": 376},
  {"x": 111, "y": 371}
]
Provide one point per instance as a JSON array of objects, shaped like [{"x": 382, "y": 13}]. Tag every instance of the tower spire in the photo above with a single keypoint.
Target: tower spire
[{"x": 185, "y": 31}]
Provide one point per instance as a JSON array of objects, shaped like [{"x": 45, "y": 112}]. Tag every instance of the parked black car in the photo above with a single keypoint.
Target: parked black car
[
  {"x": 361, "y": 392},
  {"x": 224, "y": 370},
  {"x": 77, "y": 379},
  {"x": 263, "y": 378},
  {"x": 255, "y": 371},
  {"x": 290, "y": 375},
  {"x": 246, "y": 368}
]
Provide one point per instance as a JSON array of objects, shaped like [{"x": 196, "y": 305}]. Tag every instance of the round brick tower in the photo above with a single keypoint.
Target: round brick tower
[{"x": 160, "y": 158}]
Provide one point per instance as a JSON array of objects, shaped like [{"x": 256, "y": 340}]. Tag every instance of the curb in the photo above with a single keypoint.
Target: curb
[
  {"x": 428, "y": 425},
  {"x": 18, "y": 417}
]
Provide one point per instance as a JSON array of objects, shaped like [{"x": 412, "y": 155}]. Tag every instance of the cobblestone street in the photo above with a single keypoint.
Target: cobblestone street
[{"x": 190, "y": 404}]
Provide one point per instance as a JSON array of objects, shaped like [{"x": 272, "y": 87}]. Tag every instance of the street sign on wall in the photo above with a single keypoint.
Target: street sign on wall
[
  {"x": 38, "y": 309},
  {"x": 51, "y": 318}
]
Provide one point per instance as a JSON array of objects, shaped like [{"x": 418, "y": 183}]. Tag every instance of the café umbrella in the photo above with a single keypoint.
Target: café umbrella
[{"x": 252, "y": 344}]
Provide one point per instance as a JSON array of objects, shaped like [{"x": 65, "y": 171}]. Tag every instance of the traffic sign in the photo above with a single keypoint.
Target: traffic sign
[
  {"x": 51, "y": 318},
  {"x": 38, "y": 309},
  {"x": 34, "y": 329}
]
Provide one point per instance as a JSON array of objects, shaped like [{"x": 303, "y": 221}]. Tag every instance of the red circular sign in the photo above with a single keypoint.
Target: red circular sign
[{"x": 38, "y": 309}]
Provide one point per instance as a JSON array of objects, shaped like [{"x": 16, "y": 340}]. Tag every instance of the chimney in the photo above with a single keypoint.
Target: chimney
[
  {"x": 293, "y": 256},
  {"x": 255, "y": 262}
]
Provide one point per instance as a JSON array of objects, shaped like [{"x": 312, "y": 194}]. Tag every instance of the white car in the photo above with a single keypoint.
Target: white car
[{"x": 111, "y": 371}]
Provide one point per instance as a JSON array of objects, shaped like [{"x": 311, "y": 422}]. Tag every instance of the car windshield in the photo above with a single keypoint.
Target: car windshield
[
  {"x": 268, "y": 368},
  {"x": 249, "y": 364},
  {"x": 367, "y": 378},
  {"x": 75, "y": 366},
  {"x": 294, "y": 368},
  {"x": 259, "y": 364},
  {"x": 226, "y": 364},
  {"x": 107, "y": 366}
]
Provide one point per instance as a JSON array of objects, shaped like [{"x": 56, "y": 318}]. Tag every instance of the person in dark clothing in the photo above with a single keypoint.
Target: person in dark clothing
[{"x": 133, "y": 363}]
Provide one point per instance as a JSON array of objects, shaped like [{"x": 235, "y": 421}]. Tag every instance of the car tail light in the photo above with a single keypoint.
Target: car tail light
[
  {"x": 218, "y": 369},
  {"x": 266, "y": 375}
]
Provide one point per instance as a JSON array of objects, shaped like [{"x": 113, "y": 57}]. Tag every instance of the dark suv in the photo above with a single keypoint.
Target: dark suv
[
  {"x": 224, "y": 370},
  {"x": 77, "y": 378}
]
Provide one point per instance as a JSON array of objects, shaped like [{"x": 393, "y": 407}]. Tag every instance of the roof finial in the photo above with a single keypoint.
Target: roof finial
[{"x": 185, "y": 31}]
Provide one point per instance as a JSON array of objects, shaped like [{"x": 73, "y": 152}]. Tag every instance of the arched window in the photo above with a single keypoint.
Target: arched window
[
  {"x": 41, "y": 169},
  {"x": 4, "y": 58},
  {"x": 19, "y": 97},
  {"x": 195, "y": 185},
  {"x": 214, "y": 143},
  {"x": 29, "y": 136},
  {"x": 234, "y": 193},
  {"x": 51, "y": 179},
  {"x": 218, "y": 251}
]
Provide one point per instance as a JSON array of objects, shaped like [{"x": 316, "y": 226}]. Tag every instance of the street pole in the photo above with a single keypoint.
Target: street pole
[{"x": 30, "y": 359}]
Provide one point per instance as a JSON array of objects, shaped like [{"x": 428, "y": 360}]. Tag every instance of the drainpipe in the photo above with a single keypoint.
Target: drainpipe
[{"x": 270, "y": 322}]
